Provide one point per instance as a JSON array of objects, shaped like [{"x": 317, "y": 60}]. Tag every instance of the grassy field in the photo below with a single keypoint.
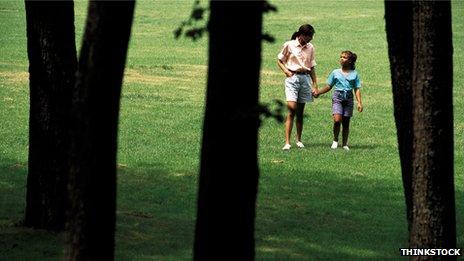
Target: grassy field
[{"x": 313, "y": 203}]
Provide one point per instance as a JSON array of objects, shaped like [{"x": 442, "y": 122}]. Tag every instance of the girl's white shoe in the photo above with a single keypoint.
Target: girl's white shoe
[
  {"x": 346, "y": 147},
  {"x": 334, "y": 145},
  {"x": 300, "y": 144},
  {"x": 287, "y": 147}
]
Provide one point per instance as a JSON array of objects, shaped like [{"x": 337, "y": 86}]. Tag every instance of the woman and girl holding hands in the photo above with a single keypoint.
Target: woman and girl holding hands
[{"x": 297, "y": 61}]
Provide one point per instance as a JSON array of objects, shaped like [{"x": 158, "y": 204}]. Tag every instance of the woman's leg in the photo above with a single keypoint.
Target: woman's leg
[
  {"x": 292, "y": 106},
  {"x": 299, "y": 120},
  {"x": 346, "y": 130}
]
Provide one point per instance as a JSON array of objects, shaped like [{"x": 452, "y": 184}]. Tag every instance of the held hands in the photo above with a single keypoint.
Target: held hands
[{"x": 315, "y": 92}]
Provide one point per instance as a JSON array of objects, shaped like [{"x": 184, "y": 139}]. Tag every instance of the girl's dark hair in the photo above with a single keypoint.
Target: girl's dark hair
[
  {"x": 305, "y": 29},
  {"x": 351, "y": 58}
]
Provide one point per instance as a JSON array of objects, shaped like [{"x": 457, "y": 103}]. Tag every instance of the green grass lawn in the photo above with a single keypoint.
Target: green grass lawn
[{"x": 313, "y": 203}]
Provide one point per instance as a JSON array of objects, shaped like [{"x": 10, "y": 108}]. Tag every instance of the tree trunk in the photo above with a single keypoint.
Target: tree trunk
[
  {"x": 91, "y": 220},
  {"x": 434, "y": 221},
  {"x": 229, "y": 163},
  {"x": 398, "y": 19},
  {"x": 420, "y": 49},
  {"x": 52, "y": 64}
]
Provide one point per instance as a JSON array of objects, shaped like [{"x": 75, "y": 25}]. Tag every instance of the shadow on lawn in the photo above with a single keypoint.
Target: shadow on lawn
[
  {"x": 17, "y": 242},
  {"x": 12, "y": 190},
  {"x": 326, "y": 145},
  {"x": 303, "y": 215},
  {"x": 155, "y": 215},
  {"x": 20, "y": 243},
  {"x": 330, "y": 215},
  {"x": 314, "y": 215}
]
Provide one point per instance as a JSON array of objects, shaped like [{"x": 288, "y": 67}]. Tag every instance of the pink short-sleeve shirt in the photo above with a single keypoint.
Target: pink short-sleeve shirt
[{"x": 297, "y": 57}]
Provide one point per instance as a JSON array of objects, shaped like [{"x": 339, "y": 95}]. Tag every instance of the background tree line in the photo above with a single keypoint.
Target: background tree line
[{"x": 74, "y": 109}]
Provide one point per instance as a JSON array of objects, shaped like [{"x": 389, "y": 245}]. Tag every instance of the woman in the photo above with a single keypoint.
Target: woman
[{"x": 297, "y": 61}]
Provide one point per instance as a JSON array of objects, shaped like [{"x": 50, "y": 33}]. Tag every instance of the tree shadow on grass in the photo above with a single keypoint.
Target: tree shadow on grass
[
  {"x": 301, "y": 215},
  {"x": 18, "y": 242},
  {"x": 12, "y": 190},
  {"x": 155, "y": 215},
  {"x": 320, "y": 215},
  {"x": 326, "y": 145},
  {"x": 330, "y": 215}
]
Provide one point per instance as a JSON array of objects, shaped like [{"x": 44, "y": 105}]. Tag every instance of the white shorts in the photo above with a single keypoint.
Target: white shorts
[{"x": 298, "y": 88}]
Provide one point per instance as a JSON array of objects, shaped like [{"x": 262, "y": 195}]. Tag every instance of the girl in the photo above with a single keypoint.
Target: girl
[
  {"x": 345, "y": 80},
  {"x": 297, "y": 61}
]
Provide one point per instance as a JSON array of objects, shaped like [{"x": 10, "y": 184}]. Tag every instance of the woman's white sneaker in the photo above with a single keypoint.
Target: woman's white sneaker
[
  {"x": 300, "y": 144},
  {"x": 346, "y": 147},
  {"x": 287, "y": 147}
]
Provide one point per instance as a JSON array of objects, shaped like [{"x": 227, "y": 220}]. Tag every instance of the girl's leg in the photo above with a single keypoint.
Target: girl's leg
[
  {"x": 299, "y": 120},
  {"x": 336, "y": 128},
  {"x": 346, "y": 130},
  {"x": 292, "y": 106}
]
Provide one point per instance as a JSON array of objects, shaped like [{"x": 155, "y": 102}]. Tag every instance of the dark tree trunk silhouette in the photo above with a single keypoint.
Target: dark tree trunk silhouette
[
  {"x": 52, "y": 64},
  {"x": 434, "y": 218},
  {"x": 229, "y": 169},
  {"x": 91, "y": 221},
  {"x": 430, "y": 71},
  {"x": 398, "y": 19}
]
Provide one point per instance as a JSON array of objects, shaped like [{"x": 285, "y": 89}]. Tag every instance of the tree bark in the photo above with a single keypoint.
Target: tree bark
[
  {"x": 434, "y": 221},
  {"x": 92, "y": 217},
  {"x": 229, "y": 163},
  {"x": 398, "y": 19},
  {"x": 420, "y": 49},
  {"x": 51, "y": 50}
]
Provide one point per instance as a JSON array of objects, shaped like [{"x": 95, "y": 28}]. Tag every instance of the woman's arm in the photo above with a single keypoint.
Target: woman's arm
[
  {"x": 284, "y": 69},
  {"x": 312, "y": 73},
  {"x": 314, "y": 89}
]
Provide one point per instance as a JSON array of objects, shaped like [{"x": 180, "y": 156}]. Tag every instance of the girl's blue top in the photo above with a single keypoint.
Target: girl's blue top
[{"x": 342, "y": 82}]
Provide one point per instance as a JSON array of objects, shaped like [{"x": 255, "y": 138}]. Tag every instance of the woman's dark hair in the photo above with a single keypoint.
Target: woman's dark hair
[
  {"x": 294, "y": 36},
  {"x": 305, "y": 29},
  {"x": 352, "y": 57}
]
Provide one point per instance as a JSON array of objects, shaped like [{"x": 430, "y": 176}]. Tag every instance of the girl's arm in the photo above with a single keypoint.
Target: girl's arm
[
  {"x": 358, "y": 99},
  {"x": 284, "y": 69},
  {"x": 324, "y": 90}
]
